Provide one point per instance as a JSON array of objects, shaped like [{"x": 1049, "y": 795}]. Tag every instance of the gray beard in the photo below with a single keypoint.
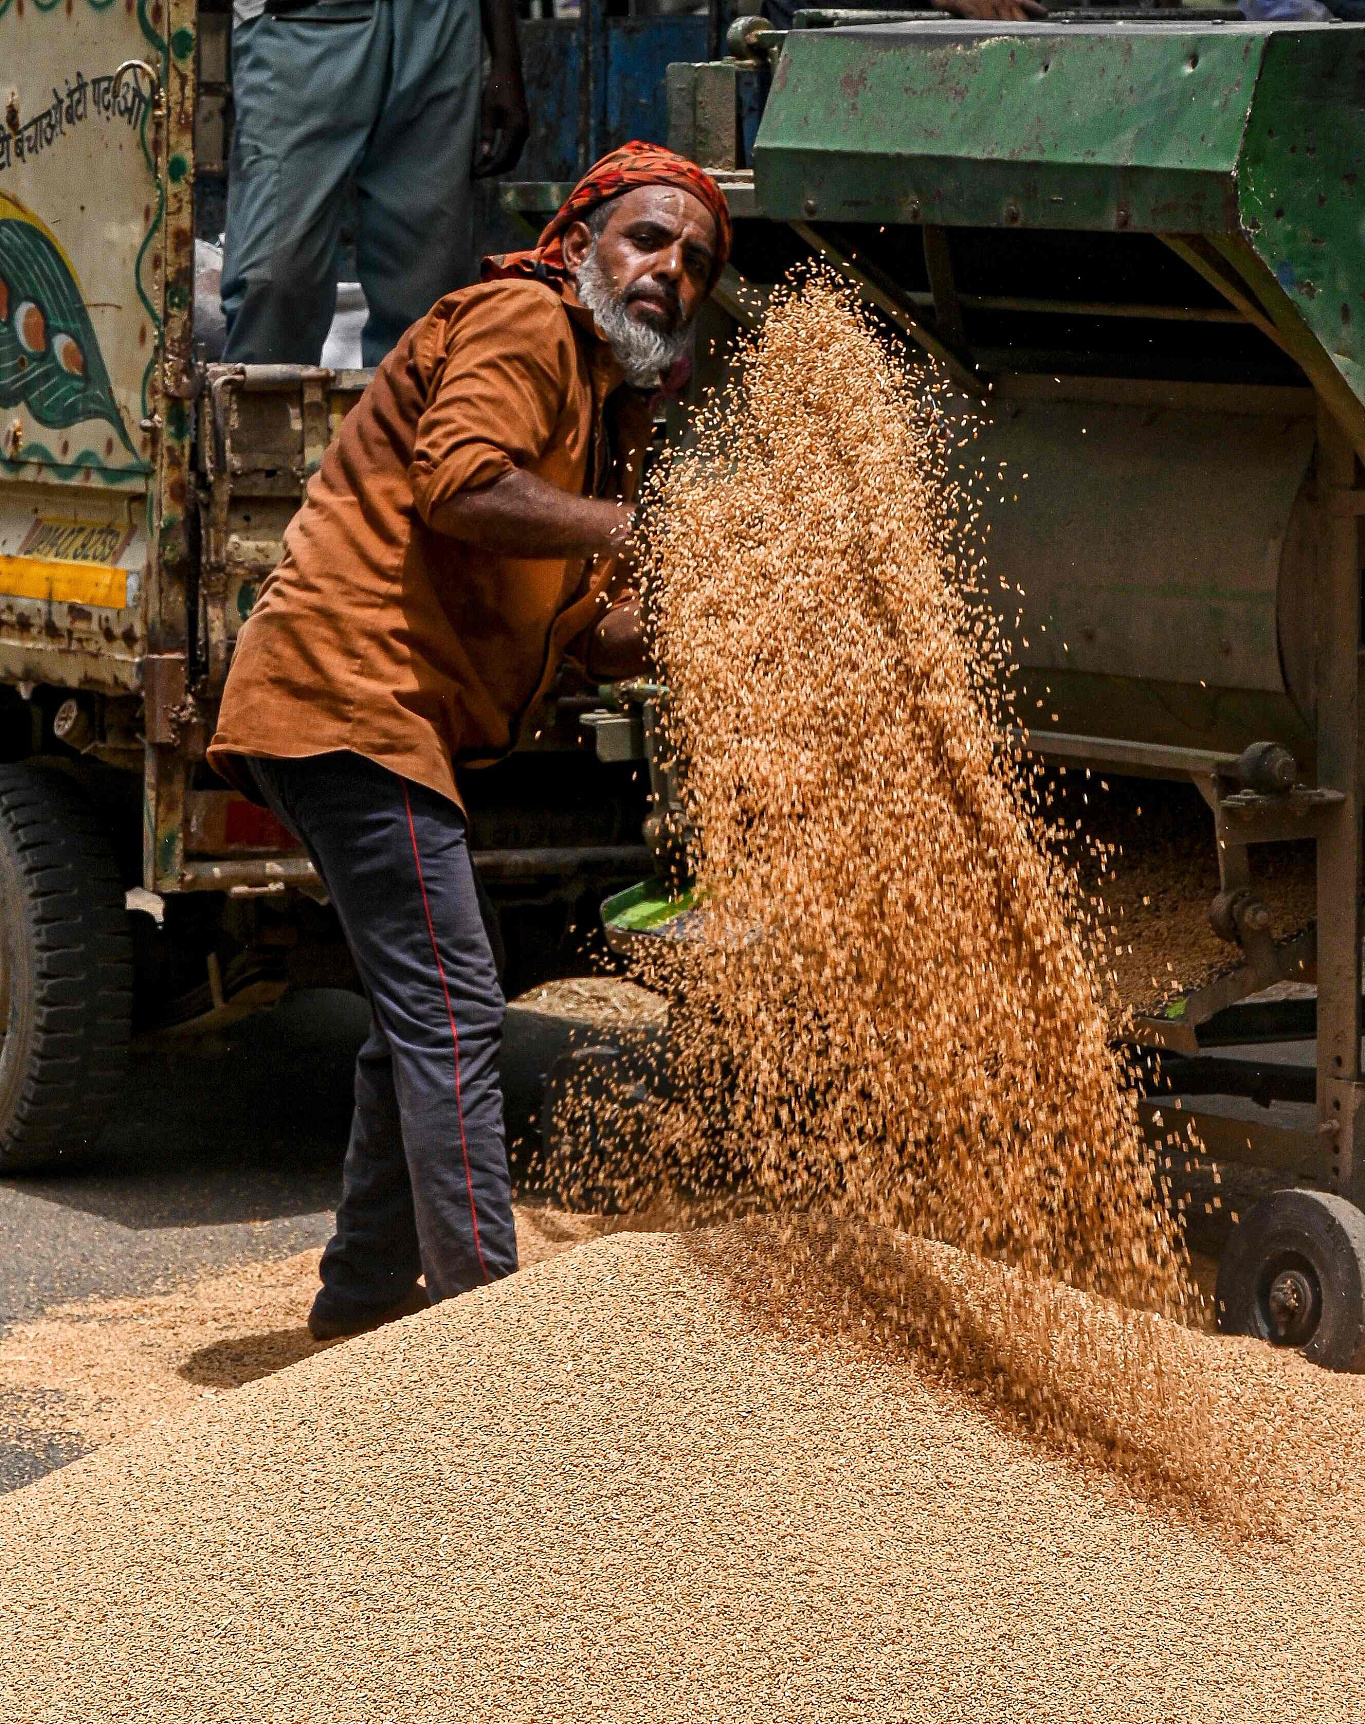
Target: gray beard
[{"x": 641, "y": 351}]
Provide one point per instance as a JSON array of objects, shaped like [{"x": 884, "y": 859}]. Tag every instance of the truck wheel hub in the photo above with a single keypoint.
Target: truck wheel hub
[{"x": 1293, "y": 1303}]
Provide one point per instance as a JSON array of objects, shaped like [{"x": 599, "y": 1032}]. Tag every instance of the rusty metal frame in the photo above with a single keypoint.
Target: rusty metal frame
[
  {"x": 175, "y": 387},
  {"x": 216, "y": 458},
  {"x": 1341, "y": 761}
]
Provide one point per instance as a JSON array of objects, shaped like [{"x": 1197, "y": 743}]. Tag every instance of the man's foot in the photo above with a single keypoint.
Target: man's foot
[{"x": 324, "y": 1328}]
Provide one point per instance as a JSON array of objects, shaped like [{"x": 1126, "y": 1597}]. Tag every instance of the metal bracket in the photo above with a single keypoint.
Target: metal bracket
[
  {"x": 618, "y": 736},
  {"x": 164, "y": 687},
  {"x": 1251, "y": 818},
  {"x": 223, "y": 381},
  {"x": 938, "y": 261}
]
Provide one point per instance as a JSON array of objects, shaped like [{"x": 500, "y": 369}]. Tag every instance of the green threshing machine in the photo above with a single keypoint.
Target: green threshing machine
[{"x": 1138, "y": 248}]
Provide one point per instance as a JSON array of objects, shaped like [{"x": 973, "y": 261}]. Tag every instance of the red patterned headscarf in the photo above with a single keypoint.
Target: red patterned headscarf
[{"x": 634, "y": 164}]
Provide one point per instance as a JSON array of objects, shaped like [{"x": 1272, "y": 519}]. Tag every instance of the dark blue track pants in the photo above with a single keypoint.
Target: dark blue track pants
[{"x": 425, "y": 1189}]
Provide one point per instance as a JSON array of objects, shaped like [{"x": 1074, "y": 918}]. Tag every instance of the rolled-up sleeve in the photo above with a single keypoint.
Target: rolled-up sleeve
[{"x": 500, "y": 395}]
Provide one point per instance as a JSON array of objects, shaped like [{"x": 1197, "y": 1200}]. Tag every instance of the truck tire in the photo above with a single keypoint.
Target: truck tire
[
  {"x": 66, "y": 972},
  {"x": 1293, "y": 1274}
]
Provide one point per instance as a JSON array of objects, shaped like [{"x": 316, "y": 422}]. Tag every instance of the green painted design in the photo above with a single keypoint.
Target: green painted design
[
  {"x": 246, "y": 598},
  {"x": 182, "y": 43},
  {"x": 52, "y": 5},
  {"x": 179, "y": 167},
  {"x": 157, "y": 43},
  {"x": 39, "y": 455},
  {"x": 36, "y": 453},
  {"x": 50, "y": 359},
  {"x": 147, "y": 305},
  {"x": 152, "y": 34}
]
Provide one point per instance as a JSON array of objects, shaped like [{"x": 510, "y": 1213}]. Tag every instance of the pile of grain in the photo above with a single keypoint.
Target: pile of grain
[
  {"x": 606, "y": 1490},
  {"x": 604, "y": 1002}
]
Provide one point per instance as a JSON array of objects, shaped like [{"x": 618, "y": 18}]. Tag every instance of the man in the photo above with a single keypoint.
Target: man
[
  {"x": 464, "y": 533},
  {"x": 380, "y": 93}
]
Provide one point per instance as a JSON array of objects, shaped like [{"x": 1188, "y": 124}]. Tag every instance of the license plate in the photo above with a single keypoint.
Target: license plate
[
  {"x": 76, "y": 541},
  {"x": 69, "y": 562}
]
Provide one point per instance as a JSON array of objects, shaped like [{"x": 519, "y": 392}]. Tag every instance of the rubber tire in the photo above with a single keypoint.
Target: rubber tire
[
  {"x": 1329, "y": 1233},
  {"x": 66, "y": 972}
]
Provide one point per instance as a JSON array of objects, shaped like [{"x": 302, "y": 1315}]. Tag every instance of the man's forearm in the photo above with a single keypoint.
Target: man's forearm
[
  {"x": 504, "y": 124},
  {"x": 499, "y": 19},
  {"x": 520, "y": 515}
]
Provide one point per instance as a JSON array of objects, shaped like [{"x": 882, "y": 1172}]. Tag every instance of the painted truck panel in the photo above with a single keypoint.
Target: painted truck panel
[{"x": 80, "y": 219}]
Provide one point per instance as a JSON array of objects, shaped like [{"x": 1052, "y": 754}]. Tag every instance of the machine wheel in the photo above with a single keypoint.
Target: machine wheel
[
  {"x": 66, "y": 972},
  {"x": 1293, "y": 1274}
]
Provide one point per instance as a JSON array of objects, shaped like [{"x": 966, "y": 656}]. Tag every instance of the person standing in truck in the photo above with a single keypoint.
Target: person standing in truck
[
  {"x": 382, "y": 94},
  {"x": 469, "y": 528}
]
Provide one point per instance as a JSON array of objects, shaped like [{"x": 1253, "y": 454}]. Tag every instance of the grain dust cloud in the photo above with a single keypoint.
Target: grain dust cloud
[{"x": 892, "y": 1023}]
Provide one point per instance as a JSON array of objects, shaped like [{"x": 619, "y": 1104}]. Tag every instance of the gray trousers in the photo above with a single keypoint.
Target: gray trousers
[
  {"x": 385, "y": 94},
  {"x": 425, "y": 1187}
]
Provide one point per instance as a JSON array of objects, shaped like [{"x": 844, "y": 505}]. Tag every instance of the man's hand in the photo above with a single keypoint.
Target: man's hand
[
  {"x": 995, "y": 11},
  {"x": 504, "y": 123},
  {"x": 616, "y": 647}
]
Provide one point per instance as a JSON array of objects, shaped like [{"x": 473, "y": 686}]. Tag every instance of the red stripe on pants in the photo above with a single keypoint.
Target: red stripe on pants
[{"x": 454, "y": 1033}]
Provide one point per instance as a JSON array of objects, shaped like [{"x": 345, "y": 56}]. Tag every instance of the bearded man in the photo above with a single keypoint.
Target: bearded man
[{"x": 466, "y": 531}]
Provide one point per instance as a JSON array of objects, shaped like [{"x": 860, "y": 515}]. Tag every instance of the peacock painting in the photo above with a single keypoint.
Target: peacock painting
[{"x": 50, "y": 361}]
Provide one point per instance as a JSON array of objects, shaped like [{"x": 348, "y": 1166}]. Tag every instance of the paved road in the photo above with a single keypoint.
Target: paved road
[
  {"x": 215, "y": 1155},
  {"x": 218, "y": 1155}
]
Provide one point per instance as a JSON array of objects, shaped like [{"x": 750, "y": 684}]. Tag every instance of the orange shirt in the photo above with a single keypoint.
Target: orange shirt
[{"x": 377, "y": 634}]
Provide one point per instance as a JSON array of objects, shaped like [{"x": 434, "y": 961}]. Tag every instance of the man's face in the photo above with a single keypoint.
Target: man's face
[{"x": 656, "y": 254}]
